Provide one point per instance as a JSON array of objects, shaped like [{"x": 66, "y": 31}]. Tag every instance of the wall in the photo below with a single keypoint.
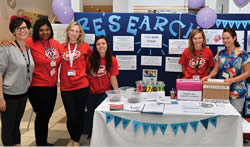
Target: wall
[
  {"x": 98, "y": 2},
  {"x": 120, "y": 6},
  {"x": 39, "y": 6}
]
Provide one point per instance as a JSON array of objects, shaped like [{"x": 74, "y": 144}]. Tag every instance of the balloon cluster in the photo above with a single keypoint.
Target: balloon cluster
[{"x": 63, "y": 11}]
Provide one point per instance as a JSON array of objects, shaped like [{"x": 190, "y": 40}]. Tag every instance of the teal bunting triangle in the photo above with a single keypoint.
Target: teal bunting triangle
[
  {"x": 224, "y": 22},
  {"x": 213, "y": 121},
  {"x": 136, "y": 125},
  {"x": 184, "y": 127},
  {"x": 109, "y": 117},
  {"x": 145, "y": 127},
  {"x": 163, "y": 128},
  {"x": 231, "y": 24},
  {"x": 174, "y": 127},
  {"x": 244, "y": 23},
  {"x": 204, "y": 122},
  {"x": 154, "y": 128},
  {"x": 125, "y": 123},
  {"x": 117, "y": 120},
  {"x": 218, "y": 22},
  {"x": 238, "y": 24},
  {"x": 194, "y": 125}
]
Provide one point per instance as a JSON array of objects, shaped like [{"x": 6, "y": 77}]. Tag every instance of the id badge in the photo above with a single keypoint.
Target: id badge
[
  {"x": 52, "y": 72},
  {"x": 225, "y": 75},
  {"x": 52, "y": 63},
  {"x": 196, "y": 77},
  {"x": 71, "y": 72}
]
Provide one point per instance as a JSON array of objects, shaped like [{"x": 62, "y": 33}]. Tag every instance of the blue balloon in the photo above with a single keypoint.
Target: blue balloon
[
  {"x": 206, "y": 18},
  {"x": 194, "y": 4}
]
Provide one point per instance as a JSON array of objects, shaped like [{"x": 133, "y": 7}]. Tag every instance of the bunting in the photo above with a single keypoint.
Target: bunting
[
  {"x": 232, "y": 23},
  {"x": 162, "y": 127}
]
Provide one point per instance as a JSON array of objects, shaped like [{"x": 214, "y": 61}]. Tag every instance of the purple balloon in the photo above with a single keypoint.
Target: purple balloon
[
  {"x": 206, "y": 18},
  {"x": 241, "y": 2},
  {"x": 58, "y": 4},
  {"x": 194, "y": 4},
  {"x": 65, "y": 15},
  {"x": 248, "y": 40}
]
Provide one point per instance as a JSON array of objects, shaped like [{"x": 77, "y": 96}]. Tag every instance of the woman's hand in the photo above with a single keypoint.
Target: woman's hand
[
  {"x": 5, "y": 43},
  {"x": 2, "y": 104},
  {"x": 229, "y": 81},
  {"x": 205, "y": 78}
]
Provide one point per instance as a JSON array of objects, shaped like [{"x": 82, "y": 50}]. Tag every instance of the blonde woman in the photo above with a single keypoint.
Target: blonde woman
[{"x": 73, "y": 79}]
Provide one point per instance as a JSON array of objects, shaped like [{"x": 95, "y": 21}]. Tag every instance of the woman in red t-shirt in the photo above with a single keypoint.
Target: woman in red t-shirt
[
  {"x": 74, "y": 82},
  {"x": 103, "y": 69},
  {"x": 197, "y": 59}
]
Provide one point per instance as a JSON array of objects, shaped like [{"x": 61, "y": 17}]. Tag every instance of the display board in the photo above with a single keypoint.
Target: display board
[{"x": 155, "y": 41}]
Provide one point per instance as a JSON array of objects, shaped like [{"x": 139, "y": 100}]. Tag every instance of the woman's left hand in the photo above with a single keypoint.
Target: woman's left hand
[{"x": 229, "y": 81}]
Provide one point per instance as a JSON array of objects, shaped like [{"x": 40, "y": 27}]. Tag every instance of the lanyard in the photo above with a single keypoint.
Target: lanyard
[
  {"x": 27, "y": 61},
  {"x": 71, "y": 55},
  {"x": 47, "y": 49},
  {"x": 197, "y": 65}
]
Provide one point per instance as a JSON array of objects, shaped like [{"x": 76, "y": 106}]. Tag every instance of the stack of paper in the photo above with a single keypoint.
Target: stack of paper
[
  {"x": 153, "y": 108},
  {"x": 134, "y": 107}
]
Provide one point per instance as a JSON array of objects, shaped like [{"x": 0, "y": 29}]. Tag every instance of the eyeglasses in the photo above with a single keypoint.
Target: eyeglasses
[{"x": 19, "y": 29}]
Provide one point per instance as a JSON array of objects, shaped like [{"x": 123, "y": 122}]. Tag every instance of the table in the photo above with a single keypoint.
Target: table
[{"x": 228, "y": 130}]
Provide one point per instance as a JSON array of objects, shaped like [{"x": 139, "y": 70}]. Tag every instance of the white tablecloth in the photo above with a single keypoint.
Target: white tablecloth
[{"x": 228, "y": 130}]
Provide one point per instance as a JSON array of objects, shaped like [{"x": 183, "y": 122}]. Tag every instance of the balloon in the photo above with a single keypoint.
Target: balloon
[
  {"x": 58, "y": 4},
  {"x": 11, "y": 3},
  {"x": 248, "y": 41},
  {"x": 65, "y": 15},
  {"x": 194, "y": 4},
  {"x": 206, "y": 18},
  {"x": 241, "y": 2}
]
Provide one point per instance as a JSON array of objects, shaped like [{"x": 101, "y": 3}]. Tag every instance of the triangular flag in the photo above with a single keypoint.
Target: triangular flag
[
  {"x": 174, "y": 127},
  {"x": 125, "y": 123},
  {"x": 213, "y": 120},
  {"x": 218, "y": 22},
  {"x": 238, "y": 24},
  {"x": 145, "y": 127},
  {"x": 244, "y": 23},
  {"x": 154, "y": 128},
  {"x": 224, "y": 22},
  {"x": 194, "y": 125},
  {"x": 184, "y": 127},
  {"x": 163, "y": 128},
  {"x": 117, "y": 121},
  {"x": 204, "y": 123},
  {"x": 136, "y": 125},
  {"x": 231, "y": 23},
  {"x": 109, "y": 117}
]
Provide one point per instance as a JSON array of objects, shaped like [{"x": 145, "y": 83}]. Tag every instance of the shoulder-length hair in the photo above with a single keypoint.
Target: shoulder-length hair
[
  {"x": 190, "y": 41},
  {"x": 40, "y": 22},
  {"x": 95, "y": 56},
  {"x": 233, "y": 34},
  {"x": 81, "y": 35}
]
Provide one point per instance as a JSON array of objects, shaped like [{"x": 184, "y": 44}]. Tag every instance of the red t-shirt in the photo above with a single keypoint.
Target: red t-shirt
[
  {"x": 188, "y": 61},
  {"x": 68, "y": 83},
  {"x": 100, "y": 82},
  {"x": 42, "y": 58}
]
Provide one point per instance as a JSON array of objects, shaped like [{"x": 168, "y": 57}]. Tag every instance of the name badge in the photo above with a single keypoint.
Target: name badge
[
  {"x": 196, "y": 77},
  {"x": 225, "y": 75},
  {"x": 71, "y": 72},
  {"x": 52, "y": 72},
  {"x": 53, "y": 63}
]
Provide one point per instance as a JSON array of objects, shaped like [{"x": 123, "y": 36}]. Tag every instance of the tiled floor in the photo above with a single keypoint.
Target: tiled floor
[{"x": 58, "y": 134}]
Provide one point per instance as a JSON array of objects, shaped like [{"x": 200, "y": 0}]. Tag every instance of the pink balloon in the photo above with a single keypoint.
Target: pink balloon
[
  {"x": 241, "y": 2},
  {"x": 206, "y": 18},
  {"x": 194, "y": 4},
  {"x": 248, "y": 40}
]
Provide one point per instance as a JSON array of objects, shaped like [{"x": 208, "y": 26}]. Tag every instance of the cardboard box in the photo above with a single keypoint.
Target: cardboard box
[
  {"x": 216, "y": 91},
  {"x": 189, "y": 89}
]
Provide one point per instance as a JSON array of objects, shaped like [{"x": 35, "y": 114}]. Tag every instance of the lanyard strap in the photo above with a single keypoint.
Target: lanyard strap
[
  {"x": 27, "y": 61},
  {"x": 71, "y": 55},
  {"x": 197, "y": 65},
  {"x": 49, "y": 52}
]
